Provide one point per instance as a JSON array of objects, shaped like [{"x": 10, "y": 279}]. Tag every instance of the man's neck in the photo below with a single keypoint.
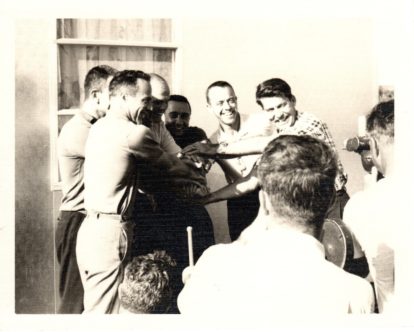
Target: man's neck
[{"x": 119, "y": 110}]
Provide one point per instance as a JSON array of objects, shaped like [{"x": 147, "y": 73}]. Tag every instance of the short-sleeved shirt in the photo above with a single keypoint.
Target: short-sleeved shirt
[
  {"x": 71, "y": 156},
  {"x": 151, "y": 180},
  {"x": 239, "y": 166},
  {"x": 112, "y": 165}
]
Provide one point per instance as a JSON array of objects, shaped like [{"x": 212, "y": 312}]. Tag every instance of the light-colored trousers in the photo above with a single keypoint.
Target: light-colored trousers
[{"x": 102, "y": 250}]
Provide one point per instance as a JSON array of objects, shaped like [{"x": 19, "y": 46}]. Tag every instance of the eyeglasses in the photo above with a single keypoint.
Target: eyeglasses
[
  {"x": 183, "y": 116},
  {"x": 231, "y": 101}
]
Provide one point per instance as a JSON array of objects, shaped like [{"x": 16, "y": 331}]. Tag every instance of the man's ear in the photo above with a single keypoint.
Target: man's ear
[
  {"x": 373, "y": 144},
  {"x": 96, "y": 96},
  {"x": 293, "y": 100}
]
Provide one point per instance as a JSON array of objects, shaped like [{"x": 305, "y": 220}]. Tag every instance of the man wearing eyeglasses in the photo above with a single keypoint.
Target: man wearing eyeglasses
[{"x": 222, "y": 102}]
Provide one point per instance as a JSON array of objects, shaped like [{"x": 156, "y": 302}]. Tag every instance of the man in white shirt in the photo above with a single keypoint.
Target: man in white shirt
[
  {"x": 116, "y": 148},
  {"x": 371, "y": 213},
  {"x": 222, "y": 102},
  {"x": 277, "y": 267}
]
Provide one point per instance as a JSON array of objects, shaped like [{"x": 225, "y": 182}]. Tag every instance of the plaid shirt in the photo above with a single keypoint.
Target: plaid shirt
[{"x": 308, "y": 124}]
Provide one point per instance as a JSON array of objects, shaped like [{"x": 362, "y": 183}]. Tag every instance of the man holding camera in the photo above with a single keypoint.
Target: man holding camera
[{"x": 369, "y": 213}]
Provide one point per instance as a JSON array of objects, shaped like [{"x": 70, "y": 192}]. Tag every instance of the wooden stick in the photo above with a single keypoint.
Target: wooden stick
[{"x": 190, "y": 245}]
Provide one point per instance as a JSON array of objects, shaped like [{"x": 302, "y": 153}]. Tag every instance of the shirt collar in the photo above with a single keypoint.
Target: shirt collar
[{"x": 290, "y": 239}]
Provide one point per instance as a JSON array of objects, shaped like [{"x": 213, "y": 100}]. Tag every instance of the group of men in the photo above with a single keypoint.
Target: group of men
[{"x": 123, "y": 172}]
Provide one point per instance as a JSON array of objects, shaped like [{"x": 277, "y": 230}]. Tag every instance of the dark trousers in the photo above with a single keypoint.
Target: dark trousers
[
  {"x": 163, "y": 227},
  {"x": 70, "y": 284},
  {"x": 336, "y": 210},
  {"x": 241, "y": 211}
]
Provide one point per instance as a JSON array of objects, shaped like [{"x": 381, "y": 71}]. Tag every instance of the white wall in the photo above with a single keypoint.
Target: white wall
[{"x": 330, "y": 65}]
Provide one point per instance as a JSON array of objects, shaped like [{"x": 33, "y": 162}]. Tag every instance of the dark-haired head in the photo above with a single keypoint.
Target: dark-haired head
[
  {"x": 96, "y": 79},
  {"x": 380, "y": 130},
  {"x": 220, "y": 84},
  {"x": 146, "y": 287},
  {"x": 297, "y": 174},
  {"x": 180, "y": 99},
  {"x": 126, "y": 82},
  {"x": 380, "y": 121},
  {"x": 274, "y": 87}
]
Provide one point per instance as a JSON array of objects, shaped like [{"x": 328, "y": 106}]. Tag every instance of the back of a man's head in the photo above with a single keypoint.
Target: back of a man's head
[
  {"x": 95, "y": 79},
  {"x": 146, "y": 286},
  {"x": 380, "y": 121},
  {"x": 125, "y": 82},
  {"x": 298, "y": 174}
]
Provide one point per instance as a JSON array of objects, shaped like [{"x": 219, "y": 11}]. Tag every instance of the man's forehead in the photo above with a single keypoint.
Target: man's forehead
[
  {"x": 221, "y": 92},
  {"x": 178, "y": 106}
]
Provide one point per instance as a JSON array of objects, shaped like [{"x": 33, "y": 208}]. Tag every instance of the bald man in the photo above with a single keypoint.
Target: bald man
[
  {"x": 160, "y": 97},
  {"x": 161, "y": 216}
]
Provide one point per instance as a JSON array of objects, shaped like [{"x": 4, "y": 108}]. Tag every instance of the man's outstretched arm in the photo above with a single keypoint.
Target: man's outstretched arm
[
  {"x": 145, "y": 148},
  {"x": 247, "y": 146},
  {"x": 238, "y": 188}
]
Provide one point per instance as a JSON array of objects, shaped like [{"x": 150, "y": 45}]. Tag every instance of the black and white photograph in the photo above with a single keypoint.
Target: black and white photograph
[{"x": 212, "y": 166}]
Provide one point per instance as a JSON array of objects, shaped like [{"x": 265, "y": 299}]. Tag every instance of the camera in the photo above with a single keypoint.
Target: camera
[
  {"x": 360, "y": 144},
  {"x": 357, "y": 144}
]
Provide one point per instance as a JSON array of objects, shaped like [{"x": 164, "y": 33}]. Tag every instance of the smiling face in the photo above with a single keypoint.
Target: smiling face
[
  {"x": 140, "y": 101},
  {"x": 177, "y": 117},
  {"x": 223, "y": 104},
  {"x": 281, "y": 111}
]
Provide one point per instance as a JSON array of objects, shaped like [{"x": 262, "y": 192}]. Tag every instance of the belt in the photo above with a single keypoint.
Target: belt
[{"x": 108, "y": 216}]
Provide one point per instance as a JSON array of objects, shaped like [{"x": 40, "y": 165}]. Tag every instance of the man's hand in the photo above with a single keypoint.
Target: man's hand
[
  {"x": 201, "y": 163},
  {"x": 204, "y": 149},
  {"x": 186, "y": 275}
]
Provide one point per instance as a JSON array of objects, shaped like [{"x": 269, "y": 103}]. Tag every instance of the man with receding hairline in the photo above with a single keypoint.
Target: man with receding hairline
[
  {"x": 222, "y": 102},
  {"x": 160, "y": 97}
]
